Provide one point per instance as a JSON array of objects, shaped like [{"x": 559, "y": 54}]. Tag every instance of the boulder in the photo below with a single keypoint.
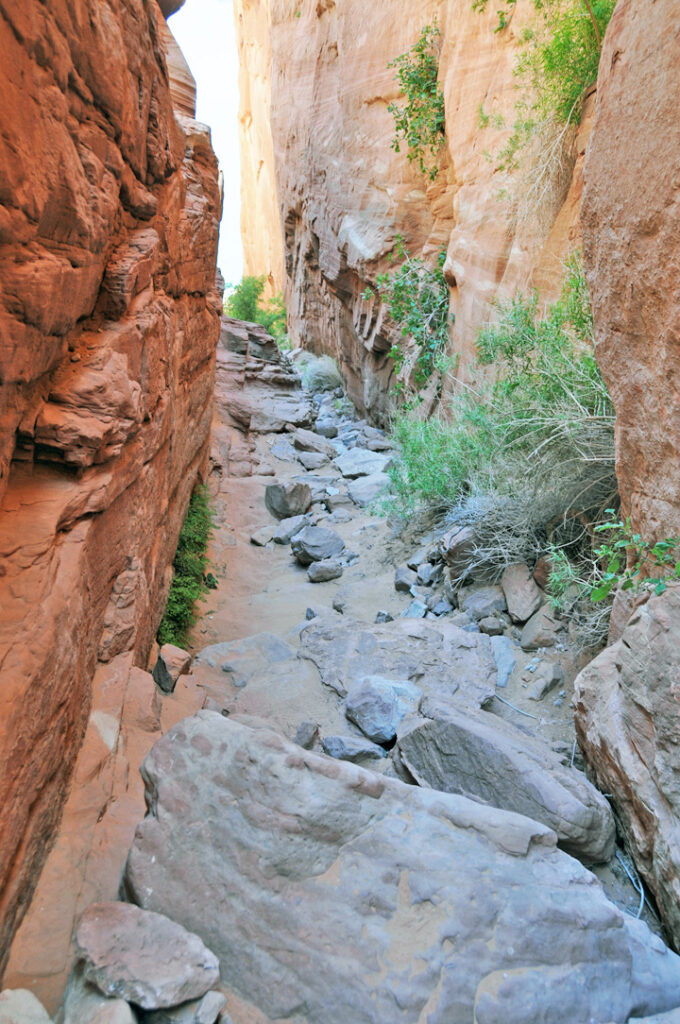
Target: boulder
[
  {"x": 365, "y": 489},
  {"x": 352, "y": 748},
  {"x": 541, "y": 630},
  {"x": 404, "y": 579},
  {"x": 243, "y": 659},
  {"x": 361, "y": 462},
  {"x": 504, "y": 654},
  {"x": 289, "y": 499},
  {"x": 142, "y": 956},
  {"x": 312, "y": 460},
  {"x": 309, "y": 441},
  {"x": 547, "y": 677},
  {"x": 481, "y": 602},
  {"x": 287, "y": 529},
  {"x": 19, "y": 1006},
  {"x": 334, "y": 894},
  {"x": 83, "y": 1003},
  {"x": 626, "y": 715},
  {"x": 438, "y": 657},
  {"x": 260, "y": 538},
  {"x": 456, "y": 548},
  {"x": 377, "y": 705},
  {"x": 326, "y": 427},
  {"x": 484, "y": 757},
  {"x": 316, "y": 543},
  {"x": 522, "y": 594},
  {"x": 172, "y": 663},
  {"x": 427, "y": 573},
  {"x": 198, "y": 1011},
  {"x": 491, "y": 625},
  {"x": 416, "y": 610},
  {"x": 325, "y": 570}
]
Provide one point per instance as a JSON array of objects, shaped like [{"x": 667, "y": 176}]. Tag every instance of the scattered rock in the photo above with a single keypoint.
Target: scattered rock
[
  {"x": 548, "y": 675},
  {"x": 456, "y": 548},
  {"x": 309, "y": 441},
  {"x": 366, "y": 489},
  {"x": 482, "y": 756},
  {"x": 491, "y": 625},
  {"x": 521, "y": 592},
  {"x": 287, "y": 529},
  {"x": 261, "y": 537},
  {"x": 306, "y": 735},
  {"x": 312, "y": 460},
  {"x": 19, "y": 1006},
  {"x": 427, "y": 573},
  {"x": 377, "y": 705},
  {"x": 540, "y": 631},
  {"x": 440, "y": 606},
  {"x": 143, "y": 957},
  {"x": 339, "y": 516},
  {"x": 503, "y": 652},
  {"x": 316, "y": 544},
  {"x": 198, "y": 1011},
  {"x": 322, "y": 572},
  {"x": 289, "y": 499},
  {"x": 416, "y": 610},
  {"x": 172, "y": 663},
  {"x": 542, "y": 571},
  {"x": 360, "y": 462},
  {"x": 404, "y": 579},
  {"x": 83, "y": 1003},
  {"x": 331, "y": 842},
  {"x": 352, "y": 748},
  {"x": 326, "y": 427},
  {"x": 339, "y": 604},
  {"x": 481, "y": 602}
]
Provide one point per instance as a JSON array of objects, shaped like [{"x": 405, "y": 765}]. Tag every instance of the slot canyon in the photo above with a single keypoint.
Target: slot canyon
[{"x": 412, "y": 754}]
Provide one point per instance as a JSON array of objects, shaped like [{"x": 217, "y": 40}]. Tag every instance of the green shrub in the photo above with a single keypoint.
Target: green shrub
[
  {"x": 189, "y": 566},
  {"x": 420, "y": 124},
  {"x": 244, "y": 302},
  {"x": 418, "y": 302}
]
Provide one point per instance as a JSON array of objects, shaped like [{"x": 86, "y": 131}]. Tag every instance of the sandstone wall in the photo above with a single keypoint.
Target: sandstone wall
[
  {"x": 109, "y": 209},
  {"x": 343, "y": 194},
  {"x": 631, "y": 219}
]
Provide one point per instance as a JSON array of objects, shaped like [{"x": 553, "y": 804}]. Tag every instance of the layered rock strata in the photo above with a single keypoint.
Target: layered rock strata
[
  {"x": 630, "y": 217},
  {"x": 109, "y": 210},
  {"x": 314, "y": 120}
]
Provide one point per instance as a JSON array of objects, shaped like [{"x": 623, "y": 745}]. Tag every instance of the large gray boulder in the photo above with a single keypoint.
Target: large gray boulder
[
  {"x": 628, "y": 725},
  {"x": 366, "y": 489},
  {"x": 309, "y": 441},
  {"x": 361, "y": 462},
  {"x": 315, "y": 544},
  {"x": 438, "y": 657},
  {"x": 484, "y": 757},
  {"x": 287, "y": 500},
  {"x": 335, "y": 895},
  {"x": 377, "y": 705},
  {"x": 142, "y": 957}
]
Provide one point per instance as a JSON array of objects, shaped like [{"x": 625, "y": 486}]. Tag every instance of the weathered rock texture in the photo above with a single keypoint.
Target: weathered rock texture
[
  {"x": 109, "y": 209},
  {"x": 316, "y": 72},
  {"x": 331, "y": 894},
  {"x": 631, "y": 218},
  {"x": 628, "y": 727}
]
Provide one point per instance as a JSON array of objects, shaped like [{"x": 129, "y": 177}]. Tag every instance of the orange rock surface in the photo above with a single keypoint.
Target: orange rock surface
[
  {"x": 314, "y": 120},
  {"x": 109, "y": 209}
]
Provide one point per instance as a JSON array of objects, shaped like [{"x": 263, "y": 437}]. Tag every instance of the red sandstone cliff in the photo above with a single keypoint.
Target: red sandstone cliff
[
  {"x": 314, "y": 120},
  {"x": 109, "y": 210}
]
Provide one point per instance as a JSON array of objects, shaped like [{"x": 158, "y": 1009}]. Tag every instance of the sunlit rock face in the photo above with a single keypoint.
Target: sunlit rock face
[
  {"x": 315, "y": 120},
  {"x": 109, "y": 209}
]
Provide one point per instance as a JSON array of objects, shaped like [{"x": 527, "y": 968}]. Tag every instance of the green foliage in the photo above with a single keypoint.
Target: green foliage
[
  {"x": 244, "y": 302},
  {"x": 545, "y": 421},
  {"x": 189, "y": 581},
  {"x": 418, "y": 302},
  {"x": 420, "y": 124},
  {"x": 628, "y": 561}
]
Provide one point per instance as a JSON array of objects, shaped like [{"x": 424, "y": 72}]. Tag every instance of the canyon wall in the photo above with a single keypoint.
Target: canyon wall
[
  {"x": 109, "y": 211},
  {"x": 318, "y": 126}
]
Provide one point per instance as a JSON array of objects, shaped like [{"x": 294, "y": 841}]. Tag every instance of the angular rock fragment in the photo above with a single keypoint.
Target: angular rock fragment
[
  {"x": 83, "y": 1003},
  {"x": 456, "y": 548},
  {"x": 360, "y": 462},
  {"x": 481, "y": 602},
  {"x": 352, "y": 748},
  {"x": 172, "y": 663},
  {"x": 143, "y": 957},
  {"x": 316, "y": 543},
  {"x": 309, "y": 441},
  {"x": 325, "y": 570},
  {"x": 503, "y": 652},
  {"x": 547, "y": 676},
  {"x": 541, "y": 630},
  {"x": 289, "y": 499},
  {"x": 312, "y": 460},
  {"x": 198, "y": 1011},
  {"x": 404, "y": 579},
  {"x": 436, "y": 903},
  {"x": 377, "y": 705},
  {"x": 287, "y": 529},
  {"x": 522, "y": 595},
  {"x": 482, "y": 756},
  {"x": 260, "y": 538},
  {"x": 365, "y": 489}
]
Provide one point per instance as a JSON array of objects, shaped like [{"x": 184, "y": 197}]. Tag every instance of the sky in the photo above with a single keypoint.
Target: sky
[{"x": 204, "y": 30}]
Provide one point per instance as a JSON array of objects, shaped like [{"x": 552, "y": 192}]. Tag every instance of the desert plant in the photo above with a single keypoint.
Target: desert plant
[
  {"x": 244, "y": 302},
  {"x": 420, "y": 123},
  {"x": 189, "y": 571}
]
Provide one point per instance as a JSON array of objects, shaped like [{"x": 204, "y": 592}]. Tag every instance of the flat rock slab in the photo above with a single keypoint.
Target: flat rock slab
[
  {"x": 315, "y": 544},
  {"x": 309, "y": 441},
  {"x": 485, "y": 757},
  {"x": 242, "y": 659},
  {"x": 361, "y": 462},
  {"x": 352, "y": 748},
  {"x": 335, "y": 895},
  {"x": 366, "y": 489},
  {"x": 143, "y": 957},
  {"x": 287, "y": 529},
  {"x": 439, "y": 658}
]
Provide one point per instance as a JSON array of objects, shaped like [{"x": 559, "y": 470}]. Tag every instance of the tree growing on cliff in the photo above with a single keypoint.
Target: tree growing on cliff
[
  {"x": 244, "y": 302},
  {"x": 420, "y": 124}
]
